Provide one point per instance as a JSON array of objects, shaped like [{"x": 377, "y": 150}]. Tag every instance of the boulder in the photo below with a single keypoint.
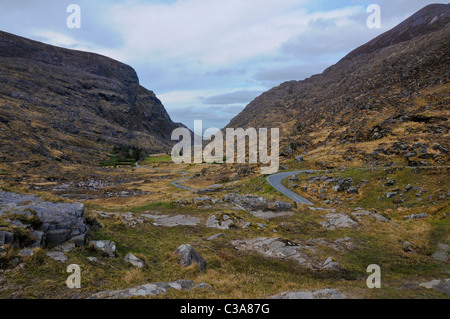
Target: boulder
[
  {"x": 135, "y": 261},
  {"x": 307, "y": 294},
  {"x": 338, "y": 220},
  {"x": 148, "y": 290},
  {"x": 106, "y": 246},
  {"x": 189, "y": 255}
]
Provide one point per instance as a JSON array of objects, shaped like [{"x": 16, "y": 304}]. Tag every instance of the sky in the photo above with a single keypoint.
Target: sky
[{"x": 207, "y": 59}]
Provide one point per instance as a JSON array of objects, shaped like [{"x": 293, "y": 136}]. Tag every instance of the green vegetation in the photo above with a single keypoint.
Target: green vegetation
[{"x": 124, "y": 156}]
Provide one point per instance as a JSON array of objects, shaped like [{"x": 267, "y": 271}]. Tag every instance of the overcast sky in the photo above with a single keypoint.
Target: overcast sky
[{"x": 207, "y": 59}]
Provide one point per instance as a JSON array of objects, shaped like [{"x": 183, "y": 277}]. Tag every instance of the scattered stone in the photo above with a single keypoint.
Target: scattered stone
[
  {"x": 360, "y": 212},
  {"x": 202, "y": 201},
  {"x": 352, "y": 190},
  {"x": 338, "y": 188},
  {"x": 270, "y": 214},
  {"x": 261, "y": 226},
  {"x": 93, "y": 259},
  {"x": 416, "y": 216},
  {"x": 408, "y": 247},
  {"x": 189, "y": 255},
  {"x": 66, "y": 247},
  {"x": 330, "y": 264},
  {"x": 441, "y": 285},
  {"x": 135, "y": 261},
  {"x": 315, "y": 294},
  {"x": 173, "y": 221},
  {"x": 338, "y": 220},
  {"x": 391, "y": 194},
  {"x": 273, "y": 248},
  {"x": 148, "y": 290},
  {"x": 57, "y": 255},
  {"x": 214, "y": 237},
  {"x": 107, "y": 246},
  {"x": 26, "y": 252},
  {"x": 279, "y": 206},
  {"x": 299, "y": 159}
]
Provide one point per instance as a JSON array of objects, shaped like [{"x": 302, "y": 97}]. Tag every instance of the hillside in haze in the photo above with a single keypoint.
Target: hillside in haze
[
  {"x": 393, "y": 89},
  {"x": 72, "y": 106}
]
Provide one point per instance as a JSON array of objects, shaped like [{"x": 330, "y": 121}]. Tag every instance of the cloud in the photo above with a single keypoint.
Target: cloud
[{"x": 237, "y": 97}]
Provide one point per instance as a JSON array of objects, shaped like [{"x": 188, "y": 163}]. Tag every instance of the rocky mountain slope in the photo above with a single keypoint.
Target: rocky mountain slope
[
  {"x": 393, "y": 89},
  {"x": 72, "y": 106}
]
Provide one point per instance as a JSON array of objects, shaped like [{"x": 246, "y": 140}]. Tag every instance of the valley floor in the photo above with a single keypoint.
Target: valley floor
[{"x": 394, "y": 217}]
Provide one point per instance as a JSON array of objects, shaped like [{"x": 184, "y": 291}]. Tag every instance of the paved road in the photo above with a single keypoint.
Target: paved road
[{"x": 277, "y": 179}]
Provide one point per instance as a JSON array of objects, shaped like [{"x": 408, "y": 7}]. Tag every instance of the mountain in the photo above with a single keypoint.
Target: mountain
[
  {"x": 393, "y": 89},
  {"x": 71, "y": 106}
]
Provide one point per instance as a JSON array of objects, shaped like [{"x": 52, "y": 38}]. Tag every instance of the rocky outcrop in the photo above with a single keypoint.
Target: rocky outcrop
[
  {"x": 257, "y": 203},
  {"x": 189, "y": 255},
  {"x": 273, "y": 248},
  {"x": 311, "y": 294},
  {"x": 148, "y": 290},
  {"x": 29, "y": 221}
]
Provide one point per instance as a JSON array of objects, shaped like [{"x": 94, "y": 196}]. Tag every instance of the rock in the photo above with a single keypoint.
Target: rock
[
  {"x": 106, "y": 246},
  {"x": 372, "y": 214},
  {"x": 57, "y": 255},
  {"x": 224, "y": 221},
  {"x": 352, "y": 190},
  {"x": 315, "y": 294},
  {"x": 214, "y": 237},
  {"x": 54, "y": 223},
  {"x": 148, "y": 290},
  {"x": 6, "y": 238},
  {"x": 279, "y": 206},
  {"x": 26, "y": 252},
  {"x": 441, "y": 285},
  {"x": 391, "y": 194},
  {"x": 408, "y": 187},
  {"x": 338, "y": 188},
  {"x": 173, "y": 221},
  {"x": 93, "y": 259},
  {"x": 249, "y": 202},
  {"x": 261, "y": 226},
  {"x": 439, "y": 147},
  {"x": 135, "y": 261},
  {"x": 338, "y": 220},
  {"x": 66, "y": 247},
  {"x": 270, "y": 214},
  {"x": 189, "y": 255},
  {"x": 299, "y": 159},
  {"x": 273, "y": 248},
  {"x": 201, "y": 201},
  {"x": 416, "y": 216},
  {"x": 330, "y": 264}
]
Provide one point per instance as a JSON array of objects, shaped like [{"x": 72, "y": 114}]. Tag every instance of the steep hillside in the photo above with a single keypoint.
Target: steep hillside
[
  {"x": 72, "y": 106},
  {"x": 393, "y": 89}
]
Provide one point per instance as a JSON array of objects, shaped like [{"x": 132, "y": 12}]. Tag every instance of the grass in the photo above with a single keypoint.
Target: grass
[{"x": 157, "y": 159}]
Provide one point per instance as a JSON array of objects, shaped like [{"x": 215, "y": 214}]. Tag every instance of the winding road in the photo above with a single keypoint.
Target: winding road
[{"x": 276, "y": 181}]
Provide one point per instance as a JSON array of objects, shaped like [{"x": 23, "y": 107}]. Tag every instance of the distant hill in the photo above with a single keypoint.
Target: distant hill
[
  {"x": 393, "y": 89},
  {"x": 70, "y": 106}
]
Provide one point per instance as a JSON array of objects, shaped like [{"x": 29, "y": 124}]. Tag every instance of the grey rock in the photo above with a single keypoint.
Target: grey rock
[
  {"x": 106, "y": 246},
  {"x": 61, "y": 222},
  {"x": 416, "y": 216},
  {"x": 6, "y": 238},
  {"x": 135, "y": 261},
  {"x": 352, "y": 190},
  {"x": 57, "y": 255},
  {"x": 93, "y": 259},
  {"x": 315, "y": 294},
  {"x": 214, "y": 237},
  {"x": 299, "y": 159},
  {"x": 189, "y": 255},
  {"x": 279, "y": 206},
  {"x": 441, "y": 285},
  {"x": 270, "y": 214},
  {"x": 391, "y": 194},
  {"x": 338, "y": 220},
  {"x": 66, "y": 247},
  {"x": 273, "y": 248},
  {"x": 330, "y": 264},
  {"x": 148, "y": 290},
  {"x": 173, "y": 221},
  {"x": 338, "y": 188},
  {"x": 26, "y": 252}
]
